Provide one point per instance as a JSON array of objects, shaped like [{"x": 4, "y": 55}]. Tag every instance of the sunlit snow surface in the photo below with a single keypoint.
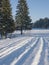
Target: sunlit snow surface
[{"x": 31, "y": 48}]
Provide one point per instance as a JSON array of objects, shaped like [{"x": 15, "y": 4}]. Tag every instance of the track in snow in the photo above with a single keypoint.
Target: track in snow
[{"x": 25, "y": 51}]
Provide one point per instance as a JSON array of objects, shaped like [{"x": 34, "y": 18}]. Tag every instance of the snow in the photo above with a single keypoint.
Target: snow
[
  {"x": 37, "y": 57},
  {"x": 11, "y": 49},
  {"x": 16, "y": 60},
  {"x": 31, "y": 48},
  {"x": 46, "y": 54}
]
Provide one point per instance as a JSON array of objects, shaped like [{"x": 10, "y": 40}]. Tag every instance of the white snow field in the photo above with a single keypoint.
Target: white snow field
[{"x": 31, "y": 48}]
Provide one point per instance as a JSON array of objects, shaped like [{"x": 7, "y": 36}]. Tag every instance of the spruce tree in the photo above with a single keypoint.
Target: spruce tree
[
  {"x": 8, "y": 22},
  {"x": 1, "y": 17},
  {"x": 22, "y": 15}
]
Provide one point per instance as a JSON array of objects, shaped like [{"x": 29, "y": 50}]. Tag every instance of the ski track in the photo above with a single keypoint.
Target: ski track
[
  {"x": 46, "y": 52},
  {"x": 17, "y": 59},
  {"x": 11, "y": 43},
  {"x": 29, "y": 60},
  {"x": 24, "y": 51},
  {"x": 37, "y": 57},
  {"x": 17, "y": 52},
  {"x": 11, "y": 49},
  {"x": 26, "y": 55}
]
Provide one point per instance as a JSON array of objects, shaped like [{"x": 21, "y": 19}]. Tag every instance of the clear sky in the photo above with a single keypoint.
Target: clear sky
[{"x": 37, "y": 8}]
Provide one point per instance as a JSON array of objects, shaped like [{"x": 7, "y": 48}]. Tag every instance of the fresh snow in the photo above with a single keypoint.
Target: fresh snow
[
  {"x": 13, "y": 48},
  {"x": 37, "y": 57},
  {"x": 31, "y": 48},
  {"x": 16, "y": 60}
]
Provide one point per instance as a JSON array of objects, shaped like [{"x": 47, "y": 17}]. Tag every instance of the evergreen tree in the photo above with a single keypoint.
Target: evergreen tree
[
  {"x": 42, "y": 23},
  {"x": 8, "y": 22},
  {"x": 1, "y": 17},
  {"x": 22, "y": 15}
]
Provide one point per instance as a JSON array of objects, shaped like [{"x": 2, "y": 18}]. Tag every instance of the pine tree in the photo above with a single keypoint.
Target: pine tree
[
  {"x": 8, "y": 22},
  {"x": 1, "y": 17},
  {"x": 22, "y": 15}
]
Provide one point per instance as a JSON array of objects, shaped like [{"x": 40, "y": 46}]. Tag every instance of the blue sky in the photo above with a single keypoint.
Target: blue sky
[{"x": 37, "y": 8}]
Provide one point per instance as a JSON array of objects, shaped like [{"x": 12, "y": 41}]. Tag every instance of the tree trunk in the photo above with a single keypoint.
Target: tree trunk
[
  {"x": 21, "y": 30},
  {"x": 5, "y": 35}
]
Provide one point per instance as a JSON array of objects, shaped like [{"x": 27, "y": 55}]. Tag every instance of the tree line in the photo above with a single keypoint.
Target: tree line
[
  {"x": 42, "y": 23},
  {"x": 22, "y": 18}
]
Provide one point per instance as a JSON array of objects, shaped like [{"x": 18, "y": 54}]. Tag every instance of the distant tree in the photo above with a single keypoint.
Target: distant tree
[
  {"x": 42, "y": 23},
  {"x": 22, "y": 15},
  {"x": 46, "y": 21},
  {"x": 8, "y": 22}
]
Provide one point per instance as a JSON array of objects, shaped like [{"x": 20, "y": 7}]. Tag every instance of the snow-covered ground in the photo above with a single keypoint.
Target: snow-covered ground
[{"x": 32, "y": 48}]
